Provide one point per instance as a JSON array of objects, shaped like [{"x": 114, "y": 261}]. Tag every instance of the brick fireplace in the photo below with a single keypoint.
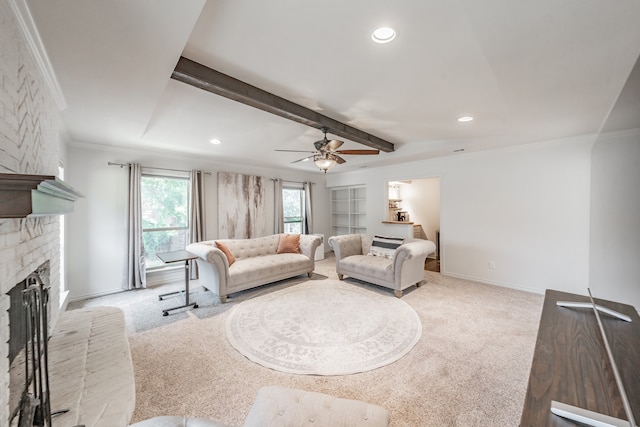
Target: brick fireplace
[{"x": 29, "y": 143}]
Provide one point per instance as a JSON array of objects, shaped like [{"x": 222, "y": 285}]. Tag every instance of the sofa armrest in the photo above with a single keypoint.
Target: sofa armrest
[
  {"x": 207, "y": 251},
  {"x": 415, "y": 249},
  {"x": 346, "y": 245},
  {"x": 308, "y": 245},
  {"x": 408, "y": 262}
]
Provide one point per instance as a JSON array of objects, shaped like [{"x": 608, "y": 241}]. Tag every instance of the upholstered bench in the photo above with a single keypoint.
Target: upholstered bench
[
  {"x": 280, "y": 407},
  {"x": 90, "y": 369}
]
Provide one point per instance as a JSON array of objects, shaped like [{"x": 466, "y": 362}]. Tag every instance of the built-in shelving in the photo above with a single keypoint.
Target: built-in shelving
[{"x": 348, "y": 210}]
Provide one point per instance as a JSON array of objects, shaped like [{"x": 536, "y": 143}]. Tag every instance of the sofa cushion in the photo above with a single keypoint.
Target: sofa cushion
[
  {"x": 371, "y": 267},
  {"x": 227, "y": 252},
  {"x": 276, "y": 265},
  {"x": 250, "y": 248},
  {"x": 289, "y": 244}
]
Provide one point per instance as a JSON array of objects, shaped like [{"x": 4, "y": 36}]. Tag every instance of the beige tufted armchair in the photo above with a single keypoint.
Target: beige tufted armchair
[{"x": 404, "y": 269}]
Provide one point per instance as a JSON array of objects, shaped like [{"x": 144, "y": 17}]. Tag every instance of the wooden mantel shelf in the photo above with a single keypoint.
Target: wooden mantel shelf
[{"x": 34, "y": 195}]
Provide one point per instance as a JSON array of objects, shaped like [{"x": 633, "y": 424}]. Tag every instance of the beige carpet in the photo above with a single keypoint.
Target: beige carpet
[
  {"x": 323, "y": 327},
  {"x": 469, "y": 368}
]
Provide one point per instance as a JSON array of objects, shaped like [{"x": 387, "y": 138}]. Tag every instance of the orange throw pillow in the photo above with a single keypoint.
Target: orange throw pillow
[
  {"x": 289, "y": 244},
  {"x": 227, "y": 252}
]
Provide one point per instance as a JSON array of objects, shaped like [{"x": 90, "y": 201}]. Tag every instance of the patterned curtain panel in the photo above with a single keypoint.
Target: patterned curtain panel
[{"x": 241, "y": 206}]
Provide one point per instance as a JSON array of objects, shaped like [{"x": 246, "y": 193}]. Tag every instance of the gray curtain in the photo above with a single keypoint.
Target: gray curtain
[
  {"x": 196, "y": 215},
  {"x": 136, "y": 269},
  {"x": 308, "y": 224},
  {"x": 278, "y": 224}
]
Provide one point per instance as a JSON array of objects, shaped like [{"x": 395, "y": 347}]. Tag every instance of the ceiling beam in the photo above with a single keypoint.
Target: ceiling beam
[{"x": 200, "y": 76}]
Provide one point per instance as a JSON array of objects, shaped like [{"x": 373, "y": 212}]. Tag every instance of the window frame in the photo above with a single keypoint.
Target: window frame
[
  {"x": 303, "y": 216},
  {"x": 167, "y": 174}
]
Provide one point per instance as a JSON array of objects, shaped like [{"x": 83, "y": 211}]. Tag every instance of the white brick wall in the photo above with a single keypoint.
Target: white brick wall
[{"x": 29, "y": 143}]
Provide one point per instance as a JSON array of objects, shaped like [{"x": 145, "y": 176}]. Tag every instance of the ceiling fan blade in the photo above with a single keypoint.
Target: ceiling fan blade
[
  {"x": 302, "y": 159},
  {"x": 339, "y": 159},
  {"x": 358, "y": 151},
  {"x": 334, "y": 144},
  {"x": 296, "y": 151}
]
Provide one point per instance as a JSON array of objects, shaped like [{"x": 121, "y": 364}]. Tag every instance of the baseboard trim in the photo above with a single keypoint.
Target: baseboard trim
[{"x": 493, "y": 283}]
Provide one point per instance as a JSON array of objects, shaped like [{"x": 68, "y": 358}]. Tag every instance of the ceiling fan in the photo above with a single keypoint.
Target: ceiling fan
[{"x": 326, "y": 154}]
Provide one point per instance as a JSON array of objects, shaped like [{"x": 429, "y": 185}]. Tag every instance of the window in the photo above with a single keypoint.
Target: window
[
  {"x": 293, "y": 210},
  {"x": 165, "y": 215}
]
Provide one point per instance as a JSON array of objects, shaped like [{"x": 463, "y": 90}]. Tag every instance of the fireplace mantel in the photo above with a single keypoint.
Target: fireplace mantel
[{"x": 35, "y": 195}]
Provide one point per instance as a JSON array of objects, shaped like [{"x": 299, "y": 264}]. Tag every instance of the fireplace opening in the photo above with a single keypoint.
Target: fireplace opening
[{"x": 28, "y": 333}]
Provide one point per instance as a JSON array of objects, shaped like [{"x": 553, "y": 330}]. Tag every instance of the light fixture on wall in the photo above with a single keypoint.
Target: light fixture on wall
[{"x": 325, "y": 161}]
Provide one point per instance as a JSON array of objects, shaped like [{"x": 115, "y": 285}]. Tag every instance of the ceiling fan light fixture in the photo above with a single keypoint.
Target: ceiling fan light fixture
[
  {"x": 325, "y": 161},
  {"x": 383, "y": 35}
]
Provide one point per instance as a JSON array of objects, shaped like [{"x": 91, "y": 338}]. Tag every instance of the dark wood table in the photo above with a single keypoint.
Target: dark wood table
[
  {"x": 179, "y": 256},
  {"x": 570, "y": 363}
]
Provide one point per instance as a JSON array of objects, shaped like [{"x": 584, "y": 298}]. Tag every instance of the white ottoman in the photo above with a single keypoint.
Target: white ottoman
[
  {"x": 166, "y": 421},
  {"x": 287, "y": 407},
  {"x": 280, "y": 407}
]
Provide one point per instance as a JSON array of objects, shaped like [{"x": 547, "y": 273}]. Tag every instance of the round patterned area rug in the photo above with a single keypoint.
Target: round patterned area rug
[{"x": 323, "y": 327}]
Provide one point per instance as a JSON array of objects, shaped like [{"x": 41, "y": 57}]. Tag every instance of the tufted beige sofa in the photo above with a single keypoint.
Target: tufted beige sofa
[
  {"x": 256, "y": 264},
  {"x": 282, "y": 407},
  {"x": 405, "y": 269}
]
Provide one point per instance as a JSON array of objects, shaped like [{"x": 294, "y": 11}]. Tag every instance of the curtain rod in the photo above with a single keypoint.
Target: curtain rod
[
  {"x": 293, "y": 182},
  {"x": 151, "y": 167}
]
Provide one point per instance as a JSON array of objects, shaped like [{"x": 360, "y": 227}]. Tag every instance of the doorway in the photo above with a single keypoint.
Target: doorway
[{"x": 419, "y": 201}]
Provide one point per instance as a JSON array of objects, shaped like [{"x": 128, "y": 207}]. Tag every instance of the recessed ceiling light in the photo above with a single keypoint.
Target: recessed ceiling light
[
  {"x": 215, "y": 141},
  {"x": 465, "y": 119},
  {"x": 305, "y": 159},
  {"x": 383, "y": 35}
]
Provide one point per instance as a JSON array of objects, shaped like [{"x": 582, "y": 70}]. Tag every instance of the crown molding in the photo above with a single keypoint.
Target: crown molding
[{"x": 37, "y": 49}]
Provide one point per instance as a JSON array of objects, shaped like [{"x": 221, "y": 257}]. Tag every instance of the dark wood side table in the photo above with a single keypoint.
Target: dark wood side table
[
  {"x": 179, "y": 256},
  {"x": 570, "y": 363}
]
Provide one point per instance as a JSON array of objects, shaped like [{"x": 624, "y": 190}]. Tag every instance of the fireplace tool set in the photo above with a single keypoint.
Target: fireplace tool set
[{"x": 35, "y": 408}]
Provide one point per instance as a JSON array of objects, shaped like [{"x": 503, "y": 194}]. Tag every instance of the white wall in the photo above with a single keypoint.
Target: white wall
[
  {"x": 615, "y": 218},
  {"x": 522, "y": 210},
  {"x": 30, "y": 142},
  {"x": 96, "y": 231}
]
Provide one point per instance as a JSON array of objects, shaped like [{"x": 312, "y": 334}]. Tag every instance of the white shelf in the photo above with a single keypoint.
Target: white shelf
[{"x": 346, "y": 210}]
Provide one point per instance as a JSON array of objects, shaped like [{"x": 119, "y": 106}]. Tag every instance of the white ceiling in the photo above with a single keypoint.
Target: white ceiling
[{"x": 527, "y": 71}]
